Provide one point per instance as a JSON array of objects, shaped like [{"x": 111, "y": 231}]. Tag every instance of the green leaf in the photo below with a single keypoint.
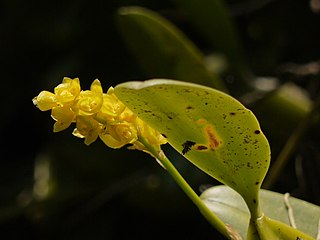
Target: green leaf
[
  {"x": 211, "y": 129},
  {"x": 162, "y": 49},
  {"x": 230, "y": 208}
]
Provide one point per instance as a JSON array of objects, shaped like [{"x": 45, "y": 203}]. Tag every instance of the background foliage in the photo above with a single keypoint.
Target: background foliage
[{"x": 99, "y": 193}]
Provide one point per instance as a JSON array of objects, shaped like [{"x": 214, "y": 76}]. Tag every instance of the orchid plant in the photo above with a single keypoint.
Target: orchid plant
[{"x": 208, "y": 127}]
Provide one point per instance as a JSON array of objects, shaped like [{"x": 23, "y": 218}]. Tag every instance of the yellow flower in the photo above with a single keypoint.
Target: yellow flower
[
  {"x": 87, "y": 128},
  {"x": 111, "y": 108},
  {"x": 90, "y": 101},
  {"x": 67, "y": 91},
  {"x": 119, "y": 135}
]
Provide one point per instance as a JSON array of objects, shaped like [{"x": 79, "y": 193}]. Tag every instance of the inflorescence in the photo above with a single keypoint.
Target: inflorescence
[{"x": 97, "y": 114}]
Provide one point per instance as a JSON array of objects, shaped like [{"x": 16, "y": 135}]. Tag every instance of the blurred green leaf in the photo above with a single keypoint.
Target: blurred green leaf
[
  {"x": 231, "y": 208},
  {"x": 210, "y": 128},
  {"x": 162, "y": 49},
  {"x": 286, "y": 106},
  {"x": 212, "y": 19}
]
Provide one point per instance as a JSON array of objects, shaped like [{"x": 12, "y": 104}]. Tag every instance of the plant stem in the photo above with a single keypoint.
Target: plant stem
[
  {"x": 216, "y": 222},
  {"x": 212, "y": 218}
]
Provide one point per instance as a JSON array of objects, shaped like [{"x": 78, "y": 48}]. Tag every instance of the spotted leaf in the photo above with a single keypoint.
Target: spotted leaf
[{"x": 210, "y": 128}]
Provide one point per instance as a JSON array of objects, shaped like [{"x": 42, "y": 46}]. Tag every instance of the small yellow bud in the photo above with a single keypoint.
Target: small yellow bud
[
  {"x": 96, "y": 87},
  {"x": 45, "y": 101}
]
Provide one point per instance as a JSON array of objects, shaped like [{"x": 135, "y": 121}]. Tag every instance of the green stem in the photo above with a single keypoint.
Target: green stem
[
  {"x": 210, "y": 216},
  {"x": 213, "y": 219}
]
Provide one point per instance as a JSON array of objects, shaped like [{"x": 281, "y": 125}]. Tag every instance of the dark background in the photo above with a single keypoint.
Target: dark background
[{"x": 96, "y": 192}]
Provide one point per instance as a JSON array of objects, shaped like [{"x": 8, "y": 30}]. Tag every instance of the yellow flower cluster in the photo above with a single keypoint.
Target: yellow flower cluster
[{"x": 96, "y": 114}]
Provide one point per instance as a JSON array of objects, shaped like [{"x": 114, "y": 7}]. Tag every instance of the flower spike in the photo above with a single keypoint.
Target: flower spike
[{"x": 97, "y": 114}]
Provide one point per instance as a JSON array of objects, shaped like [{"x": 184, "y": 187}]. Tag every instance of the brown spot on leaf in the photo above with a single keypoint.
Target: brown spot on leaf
[
  {"x": 213, "y": 138},
  {"x": 200, "y": 147},
  {"x": 201, "y": 121},
  {"x": 257, "y": 131}
]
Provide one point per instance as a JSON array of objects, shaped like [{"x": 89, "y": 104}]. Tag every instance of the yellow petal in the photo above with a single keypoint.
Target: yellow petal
[
  {"x": 110, "y": 141},
  {"x": 60, "y": 126},
  {"x": 77, "y": 133},
  {"x": 45, "y": 101},
  {"x": 96, "y": 87},
  {"x": 64, "y": 117}
]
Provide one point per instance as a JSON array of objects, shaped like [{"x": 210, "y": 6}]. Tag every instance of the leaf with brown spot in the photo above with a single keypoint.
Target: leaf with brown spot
[{"x": 239, "y": 153}]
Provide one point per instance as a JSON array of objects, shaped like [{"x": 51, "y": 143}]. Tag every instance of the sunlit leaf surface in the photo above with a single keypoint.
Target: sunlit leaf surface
[{"x": 211, "y": 129}]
